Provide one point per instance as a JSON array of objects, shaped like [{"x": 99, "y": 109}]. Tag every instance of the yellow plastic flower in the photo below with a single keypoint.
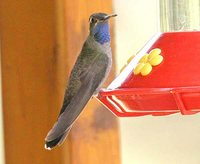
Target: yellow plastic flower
[{"x": 144, "y": 66}]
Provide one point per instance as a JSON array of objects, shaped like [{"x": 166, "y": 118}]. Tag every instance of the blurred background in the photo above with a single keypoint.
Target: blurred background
[{"x": 39, "y": 43}]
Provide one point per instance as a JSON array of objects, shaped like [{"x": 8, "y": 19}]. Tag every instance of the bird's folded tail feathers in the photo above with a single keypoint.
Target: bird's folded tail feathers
[
  {"x": 58, "y": 141},
  {"x": 65, "y": 121}
]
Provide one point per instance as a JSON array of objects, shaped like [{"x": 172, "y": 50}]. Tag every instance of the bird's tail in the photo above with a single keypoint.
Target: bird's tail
[
  {"x": 57, "y": 141},
  {"x": 66, "y": 119}
]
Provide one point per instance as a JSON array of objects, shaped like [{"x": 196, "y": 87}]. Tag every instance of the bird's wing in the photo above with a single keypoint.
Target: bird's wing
[{"x": 90, "y": 79}]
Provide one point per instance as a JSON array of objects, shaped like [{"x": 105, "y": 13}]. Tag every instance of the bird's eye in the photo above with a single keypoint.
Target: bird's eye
[{"x": 92, "y": 20}]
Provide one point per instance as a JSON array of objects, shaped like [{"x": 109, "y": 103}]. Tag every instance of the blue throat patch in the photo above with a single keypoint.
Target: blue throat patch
[{"x": 101, "y": 33}]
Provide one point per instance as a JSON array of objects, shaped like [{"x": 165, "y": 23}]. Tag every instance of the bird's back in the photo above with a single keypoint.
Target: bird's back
[
  {"x": 93, "y": 55},
  {"x": 90, "y": 70}
]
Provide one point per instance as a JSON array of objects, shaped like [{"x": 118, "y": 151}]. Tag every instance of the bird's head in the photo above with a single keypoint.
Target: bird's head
[{"x": 99, "y": 27}]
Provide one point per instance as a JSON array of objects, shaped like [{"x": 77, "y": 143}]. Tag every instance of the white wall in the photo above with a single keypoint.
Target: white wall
[
  {"x": 136, "y": 23},
  {"x": 2, "y": 159},
  {"x": 171, "y": 139}
]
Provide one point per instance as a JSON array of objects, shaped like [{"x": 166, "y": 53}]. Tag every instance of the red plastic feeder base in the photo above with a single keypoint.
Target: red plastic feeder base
[{"x": 171, "y": 87}]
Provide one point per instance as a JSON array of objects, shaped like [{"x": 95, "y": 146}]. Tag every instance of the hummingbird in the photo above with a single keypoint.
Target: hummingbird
[{"x": 88, "y": 74}]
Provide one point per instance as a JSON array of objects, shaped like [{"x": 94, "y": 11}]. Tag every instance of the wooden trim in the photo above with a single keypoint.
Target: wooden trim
[
  {"x": 94, "y": 137},
  {"x": 29, "y": 79}
]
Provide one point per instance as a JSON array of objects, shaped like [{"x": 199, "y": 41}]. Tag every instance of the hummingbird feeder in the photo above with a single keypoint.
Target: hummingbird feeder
[{"x": 162, "y": 78}]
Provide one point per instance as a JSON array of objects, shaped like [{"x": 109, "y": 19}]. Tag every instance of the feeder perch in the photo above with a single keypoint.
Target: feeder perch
[{"x": 171, "y": 87}]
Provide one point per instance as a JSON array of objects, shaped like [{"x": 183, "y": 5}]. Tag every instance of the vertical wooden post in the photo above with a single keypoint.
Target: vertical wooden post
[
  {"x": 39, "y": 47},
  {"x": 94, "y": 137},
  {"x": 29, "y": 79}
]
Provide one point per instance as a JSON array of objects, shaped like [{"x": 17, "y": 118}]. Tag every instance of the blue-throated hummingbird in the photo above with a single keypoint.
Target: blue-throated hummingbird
[{"x": 89, "y": 72}]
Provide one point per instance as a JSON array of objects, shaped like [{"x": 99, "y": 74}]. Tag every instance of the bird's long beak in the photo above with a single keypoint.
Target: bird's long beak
[{"x": 109, "y": 16}]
